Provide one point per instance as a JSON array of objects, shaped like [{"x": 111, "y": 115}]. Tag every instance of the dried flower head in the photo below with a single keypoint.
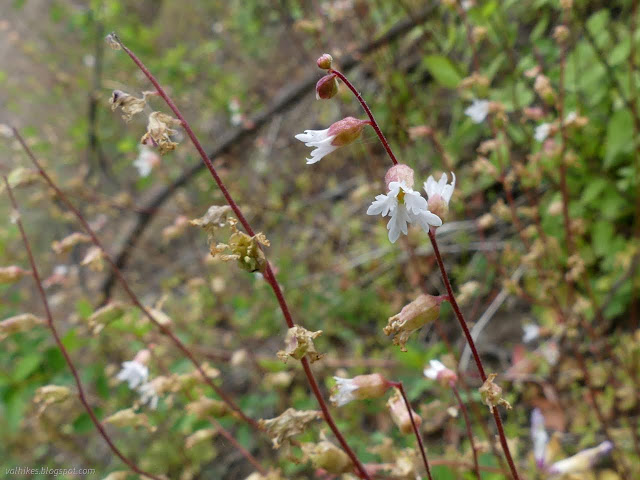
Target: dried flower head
[
  {"x": 19, "y": 323},
  {"x": 94, "y": 259},
  {"x": 205, "y": 406},
  {"x": 327, "y": 456},
  {"x": 113, "y": 41},
  {"x": 491, "y": 393},
  {"x": 129, "y": 104},
  {"x": 413, "y": 316},
  {"x": 244, "y": 249},
  {"x": 12, "y": 274},
  {"x": 159, "y": 132},
  {"x": 129, "y": 418},
  {"x": 298, "y": 343},
  {"x": 70, "y": 241},
  {"x": 400, "y": 414},
  {"x": 48, "y": 395},
  {"x": 289, "y": 424},
  {"x": 358, "y": 388}
]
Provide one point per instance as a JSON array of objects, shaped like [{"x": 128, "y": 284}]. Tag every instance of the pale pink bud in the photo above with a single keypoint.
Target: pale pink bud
[
  {"x": 400, "y": 414},
  {"x": 399, "y": 173},
  {"x": 327, "y": 87},
  {"x": 325, "y": 61},
  {"x": 142, "y": 357}
]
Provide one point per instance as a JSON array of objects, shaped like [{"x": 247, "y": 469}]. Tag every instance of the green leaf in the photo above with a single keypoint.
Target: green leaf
[
  {"x": 25, "y": 366},
  {"x": 443, "y": 70},
  {"x": 619, "y": 138}
]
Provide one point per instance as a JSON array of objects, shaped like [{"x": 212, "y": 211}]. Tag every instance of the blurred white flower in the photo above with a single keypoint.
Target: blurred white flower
[
  {"x": 531, "y": 332},
  {"x": 539, "y": 437},
  {"x": 147, "y": 159},
  {"x": 343, "y": 392},
  {"x": 440, "y": 188},
  {"x": 542, "y": 132},
  {"x": 435, "y": 367},
  {"x": 405, "y": 206},
  {"x": 478, "y": 110},
  {"x": 134, "y": 373}
]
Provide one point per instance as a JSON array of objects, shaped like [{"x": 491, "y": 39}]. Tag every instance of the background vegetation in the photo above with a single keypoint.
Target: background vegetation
[{"x": 243, "y": 74}]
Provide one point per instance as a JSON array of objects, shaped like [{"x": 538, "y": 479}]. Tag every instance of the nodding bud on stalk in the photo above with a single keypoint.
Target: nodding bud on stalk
[
  {"x": 399, "y": 173},
  {"x": 324, "y": 61},
  {"x": 327, "y": 87},
  {"x": 400, "y": 414}
]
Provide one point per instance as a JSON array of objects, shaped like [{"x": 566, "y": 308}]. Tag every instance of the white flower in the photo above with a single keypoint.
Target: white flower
[
  {"x": 320, "y": 140},
  {"x": 531, "y": 332},
  {"x": 435, "y": 367},
  {"x": 542, "y": 132},
  {"x": 148, "y": 395},
  {"x": 571, "y": 117},
  {"x": 405, "y": 206},
  {"x": 134, "y": 373},
  {"x": 467, "y": 4},
  {"x": 441, "y": 187},
  {"x": 478, "y": 110},
  {"x": 581, "y": 461},
  {"x": 145, "y": 161},
  {"x": 343, "y": 392},
  {"x": 539, "y": 437}
]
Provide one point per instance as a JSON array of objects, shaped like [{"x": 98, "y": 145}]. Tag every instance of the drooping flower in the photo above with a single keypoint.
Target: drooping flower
[
  {"x": 539, "y": 437},
  {"x": 357, "y": 388},
  {"x": 437, "y": 371},
  {"x": 542, "y": 132},
  {"x": 478, "y": 110},
  {"x": 341, "y": 133},
  {"x": 400, "y": 415},
  {"x": 439, "y": 193},
  {"x": 582, "y": 461},
  {"x": 405, "y": 206},
  {"x": 413, "y": 316}
]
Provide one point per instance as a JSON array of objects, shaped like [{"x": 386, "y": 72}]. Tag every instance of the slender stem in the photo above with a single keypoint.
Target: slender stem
[
  {"x": 134, "y": 298},
  {"x": 400, "y": 387},
  {"x": 467, "y": 423},
  {"x": 65, "y": 353},
  {"x": 268, "y": 271},
  {"x": 366, "y": 108},
  {"x": 474, "y": 351}
]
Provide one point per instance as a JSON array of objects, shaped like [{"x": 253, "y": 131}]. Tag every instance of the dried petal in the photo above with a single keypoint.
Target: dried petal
[
  {"x": 413, "y": 316},
  {"x": 70, "y": 241},
  {"x": 299, "y": 342},
  {"x": 491, "y": 393},
  {"x": 289, "y": 424}
]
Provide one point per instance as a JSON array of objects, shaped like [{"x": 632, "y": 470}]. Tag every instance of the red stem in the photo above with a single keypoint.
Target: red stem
[
  {"x": 400, "y": 387},
  {"x": 366, "y": 108},
  {"x": 474, "y": 351},
  {"x": 268, "y": 271},
  {"x": 134, "y": 298},
  {"x": 65, "y": 354},
  {"x": 467, "y": 423}
]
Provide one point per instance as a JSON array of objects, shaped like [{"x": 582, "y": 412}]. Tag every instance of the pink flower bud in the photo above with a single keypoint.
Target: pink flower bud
[
  {"x": 399, "y": 173},
  {"x": 400, "y": 414},
  {"x": 325, "y": 61},
  {"x": 346, "y": 131},
  {"x": 327, "y": 87}
]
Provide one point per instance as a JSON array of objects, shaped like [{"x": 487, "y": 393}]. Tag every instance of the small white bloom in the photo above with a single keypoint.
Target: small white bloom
[
  {"x": 148, "y": 395},
  {"x": 320, "y": 140},
  {"x": 435, "y": 367},
  {"x": 405, "y": 206},
  {"x": 542, "y": 132},
  {"x": 478, "y": 110},
  {"x": 441, "y": 187},
  {"x": 146, "y": 161},
  {"x": 571, "y": 117},
  {"x": 134, "y": 373},
  {"x": 344, "y": 391},
  {"x": 539, "y": 437},
  {"x": 531, "y": 332},
  {"x": 467, "y": 4}
]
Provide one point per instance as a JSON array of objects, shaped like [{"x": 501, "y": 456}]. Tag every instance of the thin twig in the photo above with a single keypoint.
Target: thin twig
[
  {"x": 467, "y": 423},
  {"x": 63, "y": 350}
]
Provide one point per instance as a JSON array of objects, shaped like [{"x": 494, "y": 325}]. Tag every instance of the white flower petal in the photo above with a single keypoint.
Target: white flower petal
[
  {"x": 343, "y": 392},
  {"x": 435, "y": 367},
  {"x": 414, "y": 201},
  {"x": 398, "y": 223},
  {"x": 539, "y": 437},
  {"x": 542, "y": 132},
  {"x": 383, "y": 204},
  {"x": 134, "y": 373},
  {"x": 478, "y": 110}
]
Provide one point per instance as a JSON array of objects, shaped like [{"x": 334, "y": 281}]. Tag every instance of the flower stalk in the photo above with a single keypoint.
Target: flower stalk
[{"x": 268, "y": 273}]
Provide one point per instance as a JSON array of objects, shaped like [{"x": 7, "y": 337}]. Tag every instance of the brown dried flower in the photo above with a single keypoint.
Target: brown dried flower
[
  {"x": 413, "y": 316},
  {"x": 289, "y": 424},
  {"x": 491, "y": 393},
  {"x": 298, "y": 343}
]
